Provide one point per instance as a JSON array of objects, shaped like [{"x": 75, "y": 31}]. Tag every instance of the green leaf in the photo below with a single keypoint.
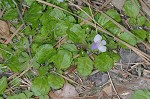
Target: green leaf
[
  {"x": 55, "y": 82},
  {"x": 131, "y": 9},
  {"x": 141, "y": 20},
  {"x": 132, "y": 21},
  {"x": 142, "y": 34},
  {"x": 77, "y": 34},
  {"x": 29, "y": 2},
  {"x": 33, "y": 14},
  {"x": 18, "y": 62},
  {"x": 101, "y": 19},
  {"x": 58, "y": 14},
  {"x": 114, "y": 15},
  {"x": 63, "y": 59},
  {"x": 44, "y": 53},
  {"x": 14, "y": 64},
  {"x": 147, "y": 24},
  {"x": 34, "y": 48},
  {"x": 10, "y": 14},
  {"x": 18, "y": 96},
  {"x": 83, "y": 14},
  {"x": 112, "y": 44},
  {"x": 40, "y": 86},
  {"x": 129, "y": 38},
  {"x": 141, "y": 94},
  {"x": 23, "y": 44},
  {"x": 22, "y": 96},
  {"x": 29, "y": 31},
  {"x": 42, "y": 38},
  {"x": 48, "y": 21},
  {"x": 103, "y": 62},
  {"x": 61, "y": 28},
  {"x": 85, "y": 66},
  {"x": 44, "y": 97},
  {"x": 112, "y": 28},
  {"x": 43, "y": 70},
  {"x": 3, "y": 84},
  {"x": 8, "y": 3},
  {"x": 28, "y": 93},
  {"x": 69, "y": 47},
  {"x": 70, "y": 18},
  {"x": 6, "y": 51},
  {"x": 116, "y": 57}
]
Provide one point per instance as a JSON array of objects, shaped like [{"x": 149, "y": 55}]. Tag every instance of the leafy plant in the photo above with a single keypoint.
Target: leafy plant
[
  {"x": 62, "y": 59},
  {"x": 128, "y": 38},
  {"x": 85, "y": 66},
  {"x": 46, "y": 27},
  {"x": 3, "y": 84},
  {"x": 104, "y": 62},
  {"x": 11, "y": 14},
  {"x": 141, "y": 94},
  {"x": 40, "y": 86},
  {"x": 55, "y": 82},
  {"x": 18, "y": 62},
  {"x": 44, "y": 53}
]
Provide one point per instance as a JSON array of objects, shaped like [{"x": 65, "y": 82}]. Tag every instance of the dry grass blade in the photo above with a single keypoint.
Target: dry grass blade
[
  {"x": 60, "y": 42},
  {"x": 68, "y": 79},
  {"x": 21, "y": 74},
  {"x": 113, "y": 86},
  {"x": 9, "y": 39},
  {"x": 106, "y": 3}
]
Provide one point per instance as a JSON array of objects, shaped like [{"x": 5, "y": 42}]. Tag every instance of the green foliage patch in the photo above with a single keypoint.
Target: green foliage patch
[{"x": 53, "y": 41}]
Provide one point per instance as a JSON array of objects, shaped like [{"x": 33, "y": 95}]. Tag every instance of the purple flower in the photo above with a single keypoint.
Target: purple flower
[{"x": 99, "y": 43}]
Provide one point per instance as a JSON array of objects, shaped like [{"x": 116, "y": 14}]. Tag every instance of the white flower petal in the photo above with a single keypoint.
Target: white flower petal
[
  {"x": 60, "y": 0},
  {"x": 103, "y": 42},
  {"x": 97, "y": 38},
  {"x": 102, "y": 48}
]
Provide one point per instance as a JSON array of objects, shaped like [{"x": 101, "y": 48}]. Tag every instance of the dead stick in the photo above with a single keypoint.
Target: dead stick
[{"x": 15, "y": 33}]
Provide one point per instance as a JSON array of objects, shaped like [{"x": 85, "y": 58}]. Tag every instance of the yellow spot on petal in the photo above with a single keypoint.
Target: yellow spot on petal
[{"x": 100, "y": 44}]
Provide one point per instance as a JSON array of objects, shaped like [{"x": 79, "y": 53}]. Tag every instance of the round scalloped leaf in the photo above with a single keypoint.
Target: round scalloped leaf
[
  {"x": 63, "y": 59},
  {"x": 55, "y": 82},
  {"x": 40, "y": 86},
  {"x": 44, "y": 53},
  {"x": 103, "y": 62},
  {"x": 85, "y": 66}
]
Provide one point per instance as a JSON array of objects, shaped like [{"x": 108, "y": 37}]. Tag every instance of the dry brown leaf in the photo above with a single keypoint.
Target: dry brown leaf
[
  {"x": 68, "y": 92},
  {"x": 108, "y": 90},
  {"x": 124, "y": 92},
  {"x": 4, "y": 30}
]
